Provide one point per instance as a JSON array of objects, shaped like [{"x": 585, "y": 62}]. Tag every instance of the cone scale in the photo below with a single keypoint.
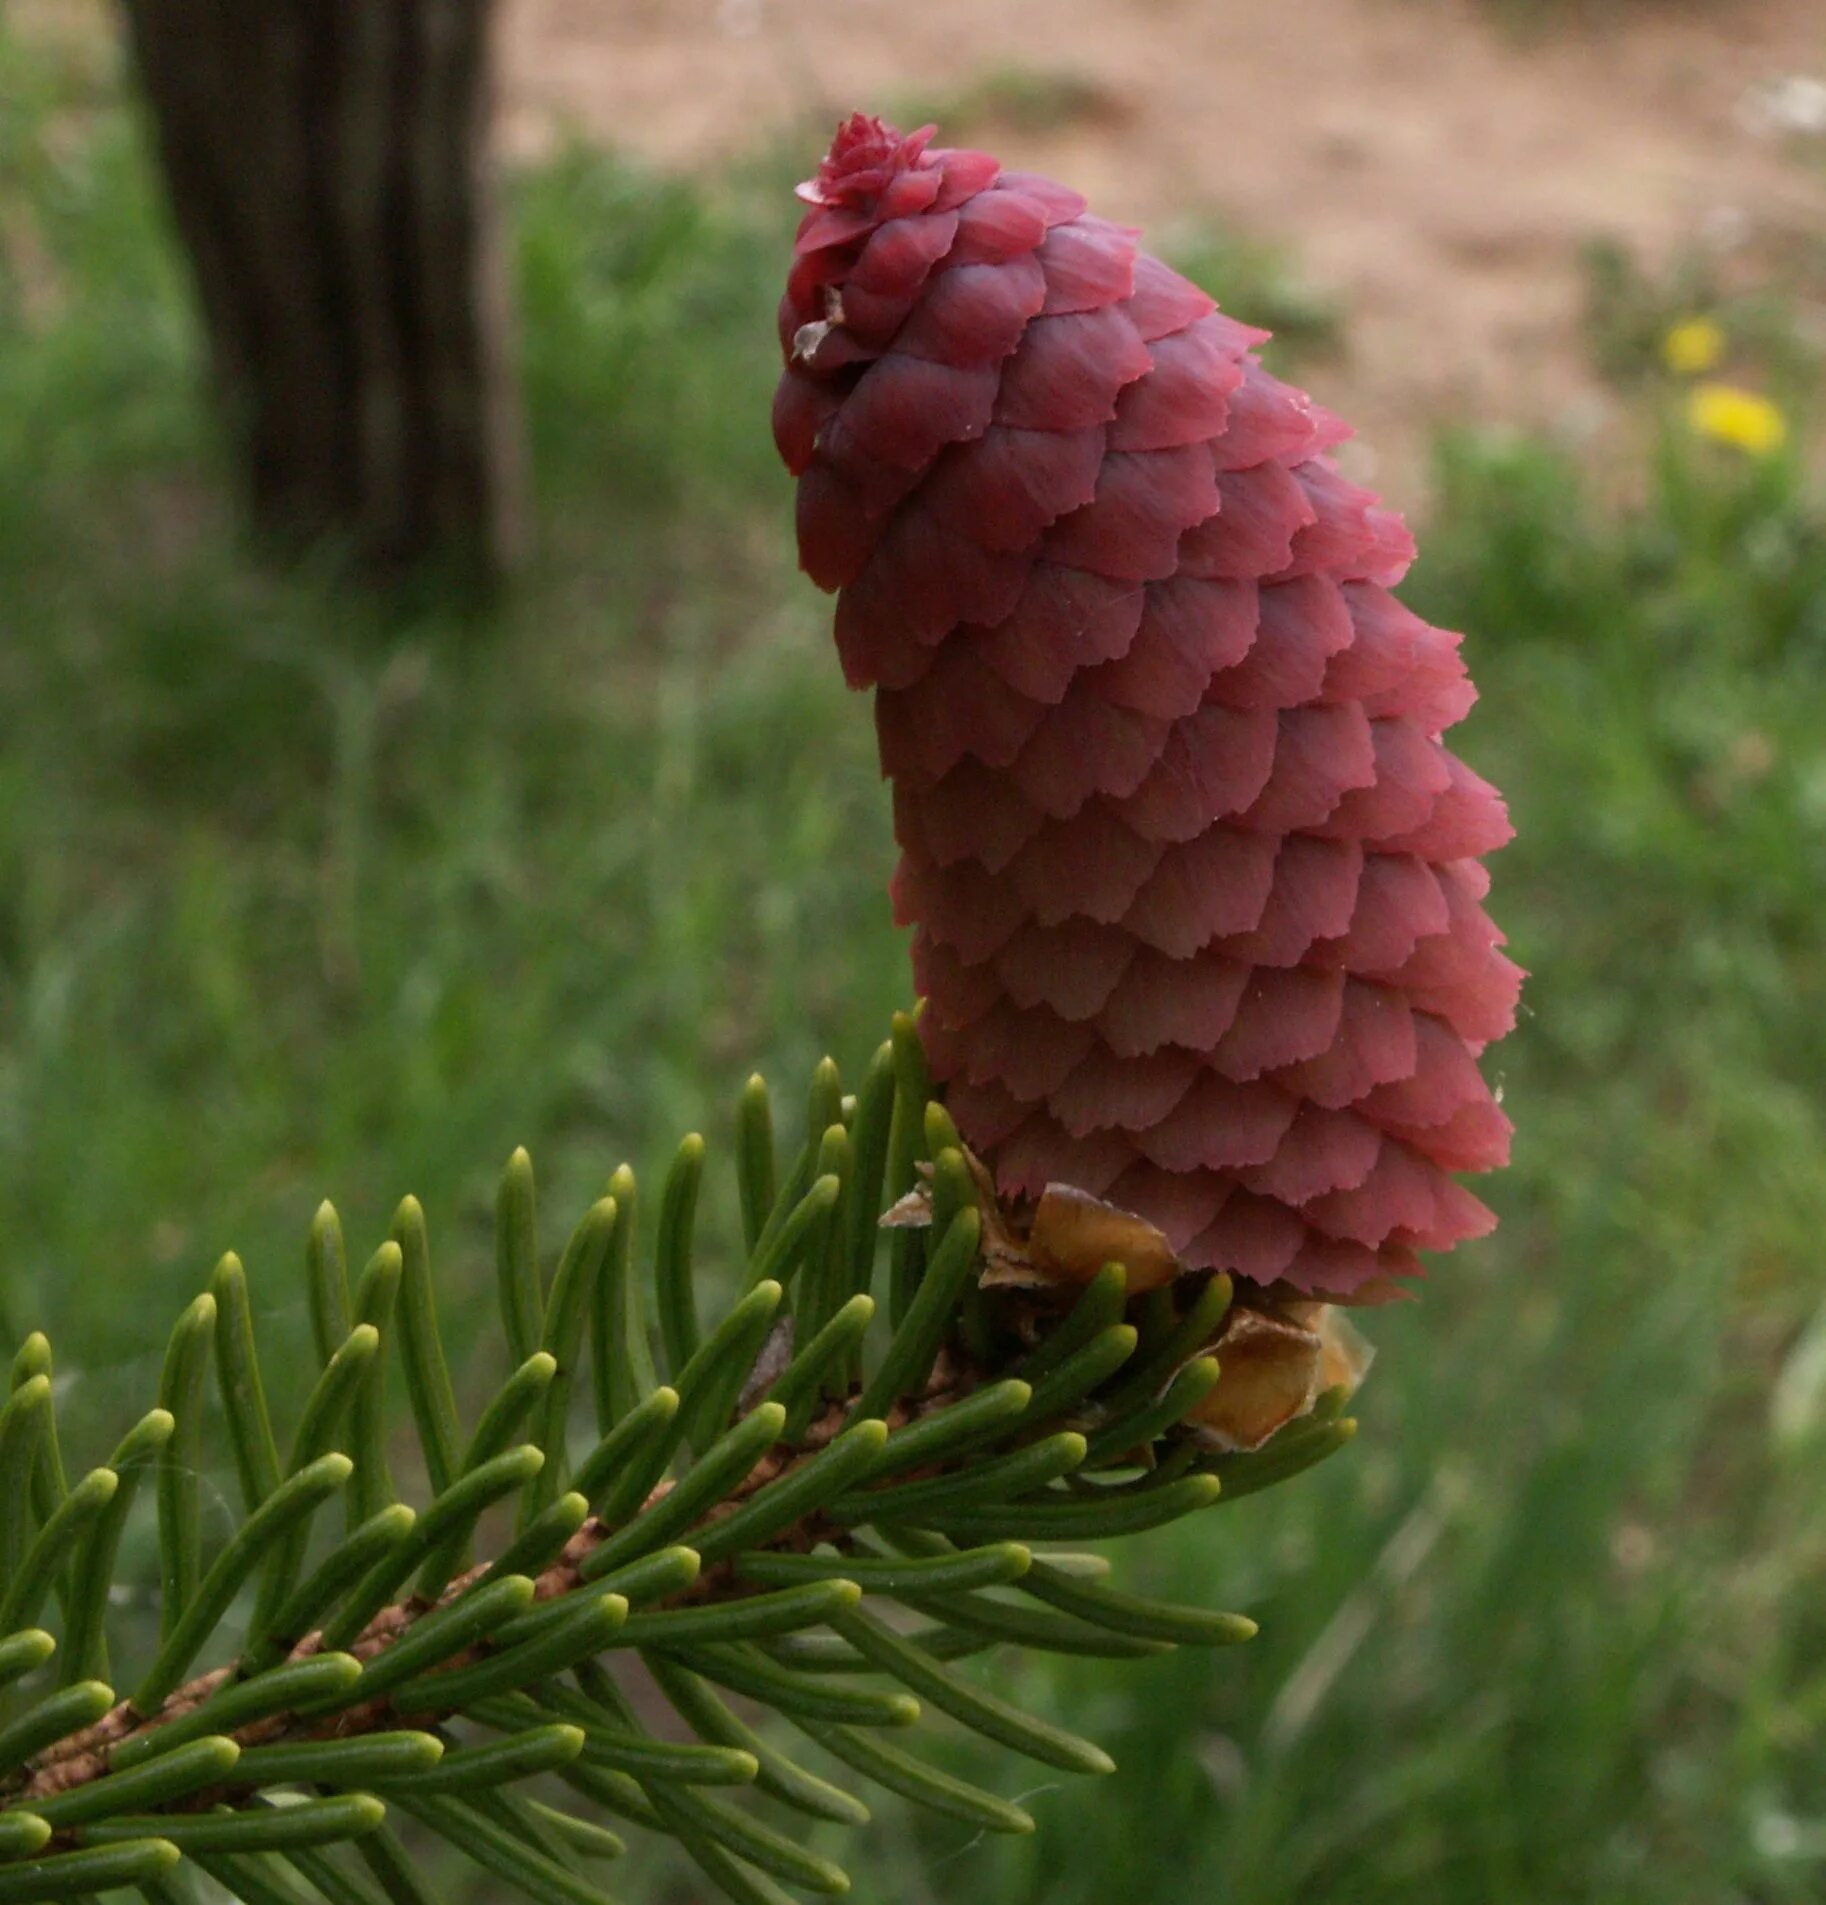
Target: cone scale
[{"x": 1195, "y": 883}]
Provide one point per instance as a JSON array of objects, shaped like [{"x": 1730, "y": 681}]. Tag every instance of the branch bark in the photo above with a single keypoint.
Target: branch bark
[{"x": 85, "y": 1756}]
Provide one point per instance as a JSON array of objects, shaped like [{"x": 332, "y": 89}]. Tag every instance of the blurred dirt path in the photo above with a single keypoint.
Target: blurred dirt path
[{"x": 1440, "y": 175}]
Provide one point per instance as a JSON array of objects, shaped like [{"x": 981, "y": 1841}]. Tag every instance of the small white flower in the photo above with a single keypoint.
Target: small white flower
[{"x": 1793, "y": 105}]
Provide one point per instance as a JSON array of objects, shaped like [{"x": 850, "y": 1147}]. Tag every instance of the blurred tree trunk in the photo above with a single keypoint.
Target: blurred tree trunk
[{"x": 328, "y": 168}]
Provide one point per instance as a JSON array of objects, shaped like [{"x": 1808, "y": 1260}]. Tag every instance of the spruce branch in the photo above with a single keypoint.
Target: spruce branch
[{"x": 793, "y": 1516}]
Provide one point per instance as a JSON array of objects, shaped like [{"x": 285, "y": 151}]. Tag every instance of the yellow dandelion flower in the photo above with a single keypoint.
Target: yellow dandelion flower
[
  {"x": 1745, "y": 419},
  {"x": 1693, "y": 347}
]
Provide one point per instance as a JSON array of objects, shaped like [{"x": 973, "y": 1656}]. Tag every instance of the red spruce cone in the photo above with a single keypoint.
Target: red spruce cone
[{"x": 1195, "y": 882}]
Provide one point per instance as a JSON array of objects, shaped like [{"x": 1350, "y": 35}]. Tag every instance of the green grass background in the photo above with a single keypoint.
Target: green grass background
[{"x": 299, "y": 896}]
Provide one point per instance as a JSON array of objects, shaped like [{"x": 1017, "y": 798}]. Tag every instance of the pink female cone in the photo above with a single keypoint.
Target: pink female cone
[{"x": 1194, "y": 880}]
